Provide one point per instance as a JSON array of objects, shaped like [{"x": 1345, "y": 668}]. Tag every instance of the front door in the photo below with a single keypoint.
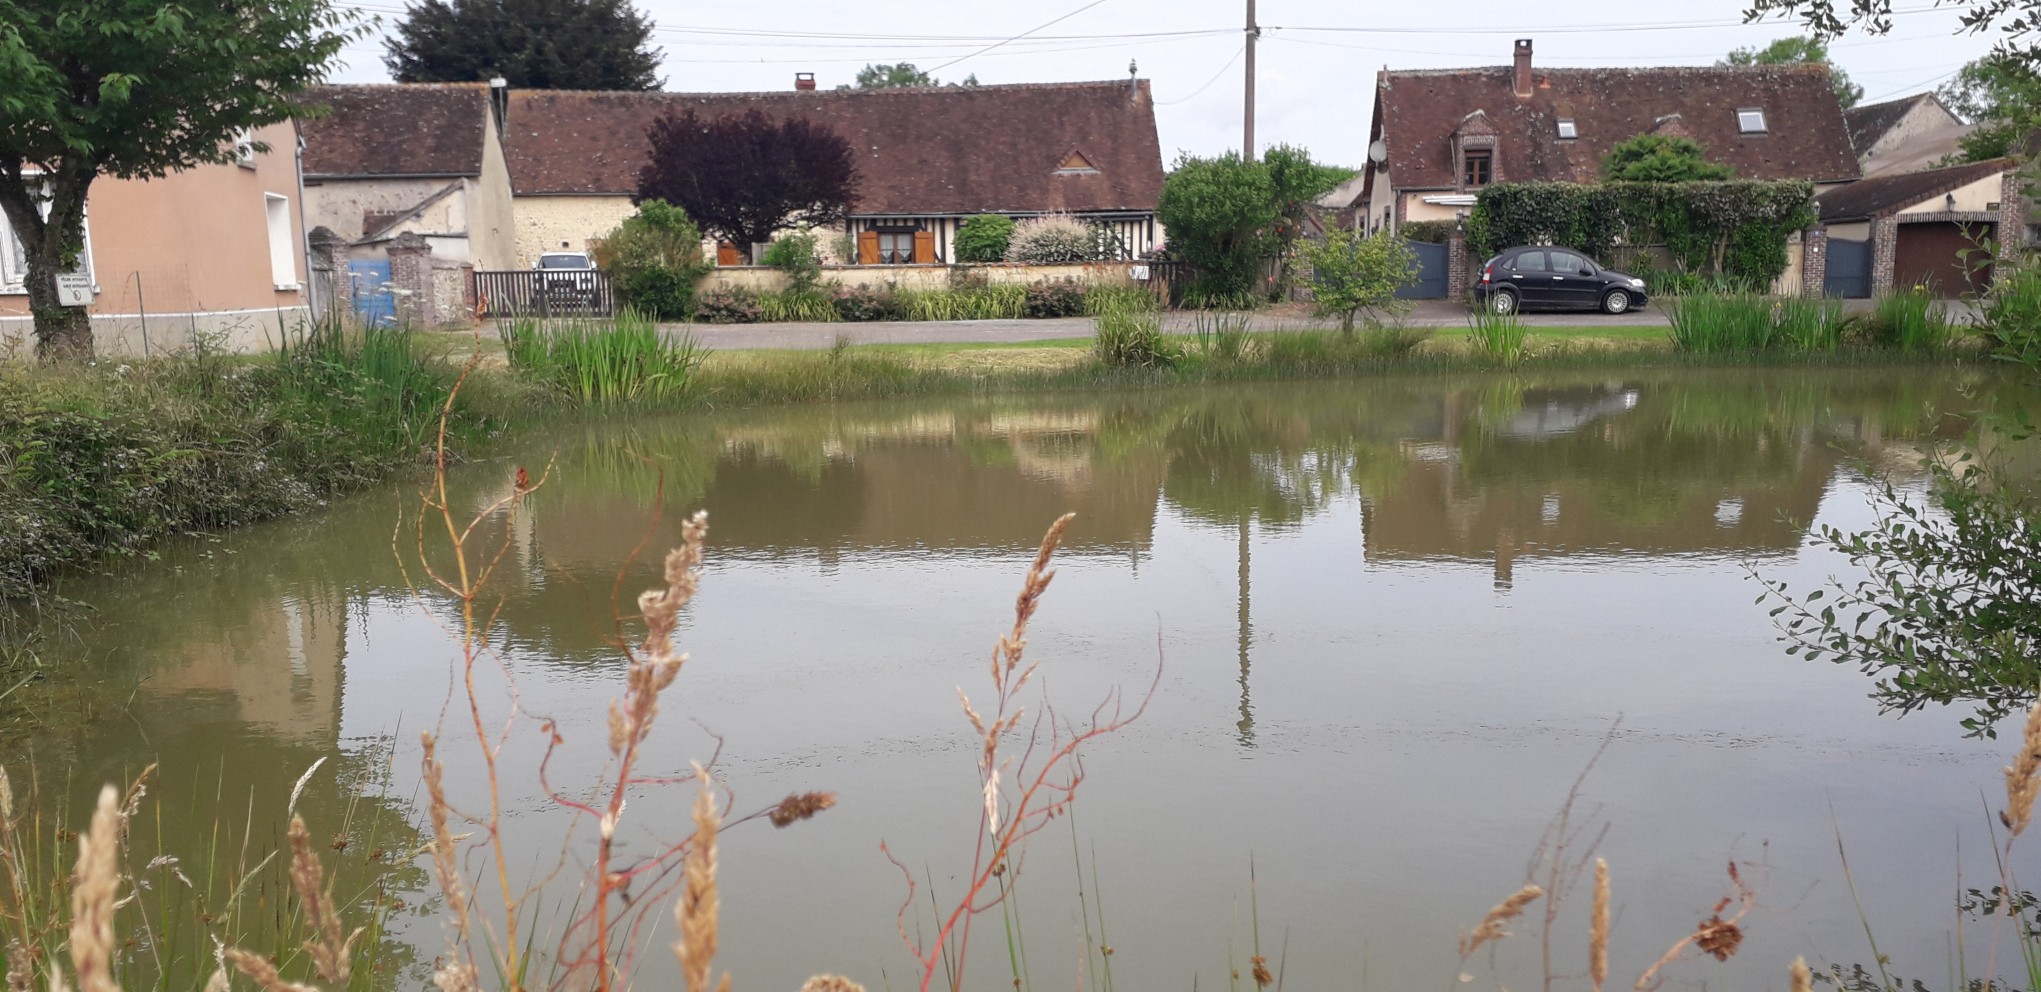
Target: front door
[
  {"x": 1573, "y": 284},
  {"x": 1532, "y": 279}
]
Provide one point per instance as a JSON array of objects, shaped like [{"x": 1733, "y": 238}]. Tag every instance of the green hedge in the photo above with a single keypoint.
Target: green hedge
[{"x": 1735, "y": 228}]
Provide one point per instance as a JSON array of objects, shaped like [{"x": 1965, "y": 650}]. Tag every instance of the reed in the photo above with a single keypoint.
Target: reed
[
  {"x": 808, "y": 306},
  {"x": 1110, "y": 298},
  {"x": 1130, "y": 339},
  {"x": 1499, "y": 336},
  {"x": 1707, "y": 323},
  {"x": 1911, "y": 320},
  {"x": 603, "y": 362}
]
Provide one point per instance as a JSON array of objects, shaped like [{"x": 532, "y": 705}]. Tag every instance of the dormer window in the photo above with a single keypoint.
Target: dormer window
[
  {"x": 1750, "y": 120},
  {"x": 1477, "y": 167},
  {"x": 1075, "y": 164}
]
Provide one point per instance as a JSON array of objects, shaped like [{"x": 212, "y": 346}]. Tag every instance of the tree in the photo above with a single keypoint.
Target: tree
[
  {"x": 654, "y": 258},
  {"x": 1299, "y": 182},
  {"x": 534, "y": 44},
  {"x": 881, "y": 77},
  {"x": 984, "y": 238},
  {"x": 135, "y": 89},
  {"x": 1225, "y": 214},
  {"x": 1352, "y": 272},
  {"x": 745, "y": 177},
  {"x": 1800, "y": 50},
  {"x": 2002, "y": 97},
  {"x": 1657, "y": 158},
  {"x": 2018, "y": 21}
]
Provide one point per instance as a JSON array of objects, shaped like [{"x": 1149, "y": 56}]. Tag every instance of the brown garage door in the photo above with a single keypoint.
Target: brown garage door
[{"x": 1940, "y": 256}]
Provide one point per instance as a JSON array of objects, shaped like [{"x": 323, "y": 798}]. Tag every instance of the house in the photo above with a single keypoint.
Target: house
[
  {"x": 1904, "y": 135},
  {"x": 209, "y": 255},
  {"x": 1439, "y": 135},
  {"x": 1922, "y": 228},
  {"x": 928, "y": 158},
  {"x": 383, "y": 160}
]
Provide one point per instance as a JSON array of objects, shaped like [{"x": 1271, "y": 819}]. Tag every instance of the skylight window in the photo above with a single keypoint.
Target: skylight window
[
  {"x": 1751, "y": 120},
  {"x": 1566, "y": 128}
]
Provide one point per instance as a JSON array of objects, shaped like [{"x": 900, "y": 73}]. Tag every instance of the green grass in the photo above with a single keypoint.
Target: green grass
[{"x": 602, "y": 363}]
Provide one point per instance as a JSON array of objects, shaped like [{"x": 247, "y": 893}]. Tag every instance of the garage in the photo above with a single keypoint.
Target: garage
[{"x": 1944, "y": 256}]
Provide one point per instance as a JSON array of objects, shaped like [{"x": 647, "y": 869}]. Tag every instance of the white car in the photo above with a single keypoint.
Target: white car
[{"x": 567, "y": 280}]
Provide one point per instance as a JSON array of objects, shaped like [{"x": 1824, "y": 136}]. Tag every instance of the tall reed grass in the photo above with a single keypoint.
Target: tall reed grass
[
  {"x": 1124, "y": 339},
  {"x": 1499, "y": 336},
  {"x": 802, "y": 305},
  {"x": 1911, "y": 320},
  {"x": 989, "y": 302},
  {"x": 603, "y": 362}
]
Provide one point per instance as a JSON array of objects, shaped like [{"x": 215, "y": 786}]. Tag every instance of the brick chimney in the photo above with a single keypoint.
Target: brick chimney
[
  {"x": 1523, "y": 68},
  {"x": 806, "y": 80}
]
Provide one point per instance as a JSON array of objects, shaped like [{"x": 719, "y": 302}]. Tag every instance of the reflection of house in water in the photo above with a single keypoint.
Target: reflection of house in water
[
  {"x": 1595, "y": 469},
  {"x": 278, "y": 670}
]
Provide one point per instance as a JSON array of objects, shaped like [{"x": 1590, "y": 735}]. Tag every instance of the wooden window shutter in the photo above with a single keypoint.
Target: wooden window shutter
[
  {"x": 868, "y": 247},
  {"x": 726, "y": 254},
  {"x": 924, "y": 247}
]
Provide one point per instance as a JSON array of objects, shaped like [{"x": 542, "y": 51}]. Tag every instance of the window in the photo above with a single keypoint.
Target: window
[
  {"x": 1477, "y": 168},
  {"x": 1567, "y": 262},
  {"x": 1530, "y": 261},
  {"x": 14, "y": 255},
  {"x": 283, "y": 256},
  {"x": 896, "y": 247},
  {"x": 1567, "y": 131},
  {"x": 1075, "y": 164},
  {"x": 1750, "y": 120},
  {"x": 244, "y": 148}
]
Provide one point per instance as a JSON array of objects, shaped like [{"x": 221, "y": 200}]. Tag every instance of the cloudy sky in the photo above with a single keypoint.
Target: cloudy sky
[{"x": 1317, "y": 58}]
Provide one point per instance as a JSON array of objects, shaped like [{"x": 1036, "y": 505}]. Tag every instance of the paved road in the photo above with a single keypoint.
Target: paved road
[{"x": 813, "y": 336}]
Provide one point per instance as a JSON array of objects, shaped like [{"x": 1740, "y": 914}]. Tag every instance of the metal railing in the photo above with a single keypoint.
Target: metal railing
[{"x": 545, "y": 292}]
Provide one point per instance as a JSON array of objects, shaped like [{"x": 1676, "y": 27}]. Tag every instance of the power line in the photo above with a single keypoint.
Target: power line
[
  {"x": 1019, "y": 36},
  {"x": 1208, "y": 83}
]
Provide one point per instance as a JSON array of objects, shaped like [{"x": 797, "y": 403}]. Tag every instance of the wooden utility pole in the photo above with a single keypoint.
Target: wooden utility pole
[{"x": 1247, "y": 128}]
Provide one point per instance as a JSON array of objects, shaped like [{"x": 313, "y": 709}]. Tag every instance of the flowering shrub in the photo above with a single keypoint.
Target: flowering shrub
[
  {"x": 727, "y": 306},
  {"x": 1053, "y": 240}
]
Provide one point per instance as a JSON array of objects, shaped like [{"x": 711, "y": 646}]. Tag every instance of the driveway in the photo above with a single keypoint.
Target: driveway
[{"x": 806, "y": 336}]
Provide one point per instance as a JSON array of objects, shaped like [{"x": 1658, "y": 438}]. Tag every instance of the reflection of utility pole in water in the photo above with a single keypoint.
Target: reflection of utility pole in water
[{"x": 1246, "y": 637}]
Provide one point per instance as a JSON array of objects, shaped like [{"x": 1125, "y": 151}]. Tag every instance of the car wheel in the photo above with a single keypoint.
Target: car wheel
[
  {"x": 1617, "y": 301},
  {"x": 1503, "y": 303}
]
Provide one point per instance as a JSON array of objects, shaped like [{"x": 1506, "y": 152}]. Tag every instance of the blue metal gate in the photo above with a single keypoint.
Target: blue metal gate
[
  {"x": 1430, "y": 271},
  {"x": 1849, "y": 269},
  {"x": 368, "y": 287}
]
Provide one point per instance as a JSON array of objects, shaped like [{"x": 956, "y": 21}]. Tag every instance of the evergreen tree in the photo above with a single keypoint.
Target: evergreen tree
[{"x": 534, "y": 44}]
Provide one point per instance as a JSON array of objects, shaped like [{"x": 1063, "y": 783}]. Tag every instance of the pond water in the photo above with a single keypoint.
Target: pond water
[{"x": 1394, "y": 618}]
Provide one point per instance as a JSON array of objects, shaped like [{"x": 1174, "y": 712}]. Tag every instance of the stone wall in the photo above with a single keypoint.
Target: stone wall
[
  {"x": 1814, "y": 262},
  {"x": 543, "y": 222},
  {"x": 1884, "y": 253}
]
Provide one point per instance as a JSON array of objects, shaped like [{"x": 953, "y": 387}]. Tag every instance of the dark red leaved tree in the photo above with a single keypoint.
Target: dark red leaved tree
[{"x": 743, "y": 177}]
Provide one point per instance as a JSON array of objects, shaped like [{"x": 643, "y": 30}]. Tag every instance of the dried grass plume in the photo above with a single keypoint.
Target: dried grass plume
[
  {"x": 1491, "y": 926},
  {"x": 2023, "y": 776},
  {"x": 95, "y": 887},
  {"x": 1598, "y": 928},
  {"x": 1802, "y": 978},
  {"x": 830, "y": 983},
  {"x": 800, "y": 806},
  {"x": 696, "y": 912}
]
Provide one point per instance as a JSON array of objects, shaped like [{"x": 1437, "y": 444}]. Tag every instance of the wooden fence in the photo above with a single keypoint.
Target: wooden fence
[{"x": 544, "y": 292}]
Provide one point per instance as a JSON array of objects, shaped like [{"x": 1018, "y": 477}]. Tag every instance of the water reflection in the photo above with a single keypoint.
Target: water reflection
[{"x": 1355, "y": 506}]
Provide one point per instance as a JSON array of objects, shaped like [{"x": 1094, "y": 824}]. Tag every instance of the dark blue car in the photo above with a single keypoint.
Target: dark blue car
[{"x": 1544, "y": 278}]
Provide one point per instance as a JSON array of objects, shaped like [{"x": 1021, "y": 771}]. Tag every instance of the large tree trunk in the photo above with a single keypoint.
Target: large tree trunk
[{"x": 62, "y": 334}]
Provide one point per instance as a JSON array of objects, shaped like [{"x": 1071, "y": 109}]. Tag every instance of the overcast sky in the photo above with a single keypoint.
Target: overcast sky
[{"x": 1317, "y": 58}]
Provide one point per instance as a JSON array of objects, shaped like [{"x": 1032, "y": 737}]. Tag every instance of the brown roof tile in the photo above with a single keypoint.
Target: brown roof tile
[
  {"x": 1416, "y": 112},
  {"x": 396, "y": 129},
  {"x": 1872, "y": 197},
  {"x": 948, "y": 150}
]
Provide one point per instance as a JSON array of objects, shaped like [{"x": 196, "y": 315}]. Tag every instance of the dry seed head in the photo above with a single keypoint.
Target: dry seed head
[
  {"x": 1718, "y": 937},
  {"x": 456, "y": 977},
  {"x": 18, "y": 971},
  {"x": 94, "y": 887},
  {"x": 800, "y": 806},
  {"x": 1490, "y": 927},
  {"x": 830, "y": 983},
  {"x": 1802, "y": 979},
  {"x": 218, "y": 982},
  {"x": 6, "y": 795},
  {"x": 696, "y": 912},
  {"x": 330, "y": 951},
  {"x": 2023, "y": 776},
  {"x": 444, "y": 865},
  {"x": 1598, "y": 928},
  {"x": 1262, "y": 978},
  {"x": 259, "y": 969}
]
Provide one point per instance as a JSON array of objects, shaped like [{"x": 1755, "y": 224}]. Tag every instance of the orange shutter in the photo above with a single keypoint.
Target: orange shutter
[
  {"x": 868, "y": 247},
  {"x": 924, "y": 247},
  {"x": 726, "y": 254}
]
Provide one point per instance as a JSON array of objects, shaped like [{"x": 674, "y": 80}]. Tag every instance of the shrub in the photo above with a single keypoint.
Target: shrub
[
  {"x": 1055, "y": 299},
  {"x": 1436, "y": 232},
  {"x": 855, "y": 304},
  {"x": 1353, "y": 273},
  {"x": 1734, "y": 228},
  {"x": 727, "y": 306},
  {"x": 654, "y": 259},
  {"x": 984, "y": 238},
  {"x": 2009, "y": 315},
  {"x": 1057, "y": 239},
  {"x": 799, "y": 255}
]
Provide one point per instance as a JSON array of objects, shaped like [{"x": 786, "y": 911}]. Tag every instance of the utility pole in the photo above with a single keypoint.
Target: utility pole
[{"x": 1247, "y": 129}]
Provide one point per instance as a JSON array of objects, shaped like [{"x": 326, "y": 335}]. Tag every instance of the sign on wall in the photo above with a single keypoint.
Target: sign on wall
[{"x": 74, "y": 289}]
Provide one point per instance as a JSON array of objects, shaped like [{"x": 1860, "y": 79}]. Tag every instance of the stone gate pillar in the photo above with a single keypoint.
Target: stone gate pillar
[
  {"x": 411, "y": 279},
  {"x": 1814, "y": 262}
]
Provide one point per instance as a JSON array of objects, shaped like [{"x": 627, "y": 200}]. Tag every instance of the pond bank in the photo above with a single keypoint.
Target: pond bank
[{"x": 98, "y": 463}]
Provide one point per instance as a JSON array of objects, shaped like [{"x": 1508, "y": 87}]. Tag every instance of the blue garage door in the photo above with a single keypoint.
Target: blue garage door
[
  {"x": 1431, "y": 273},
  {"x": 1849, "y": 269}
]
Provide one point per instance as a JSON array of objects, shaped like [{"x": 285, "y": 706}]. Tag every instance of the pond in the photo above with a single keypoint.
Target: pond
[{"x": 1394, "y": 620}]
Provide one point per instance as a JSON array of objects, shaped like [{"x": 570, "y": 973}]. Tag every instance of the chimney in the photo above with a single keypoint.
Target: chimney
[
  {"x": 499, "y": 102},
  {"x": 804, "y": 80},
  {"x": 1523, "y": 68}
]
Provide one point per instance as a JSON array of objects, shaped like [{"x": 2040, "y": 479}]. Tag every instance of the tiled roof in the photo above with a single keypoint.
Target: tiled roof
[
  {"x": 1417, "y": 111},
  {"x": 1872, "y": 197},
  {"x": 1869, "y": 122},
  {"x": 948, "y": 150},
  {"x": 396, "y": 129}
]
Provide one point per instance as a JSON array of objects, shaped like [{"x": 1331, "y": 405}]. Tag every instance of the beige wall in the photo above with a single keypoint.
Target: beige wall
[
  {"x": 190, "y": 246},
  {"x": 491, "y": 219},
  {"x": 1791, "y": 281},
  {"x": 1853, "y": 231},
  {"x": 543, "y": 222},
  {"x": 338, "y": 204},
  {"x": 923, "y": 277},
  {"x": 1979, "y": 196},
  {"x": 1924, "y": 118},
  {"x": 1414, "y": 208}
]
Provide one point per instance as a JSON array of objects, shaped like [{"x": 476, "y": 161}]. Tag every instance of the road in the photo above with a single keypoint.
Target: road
[{"x": 804, "y": 336}]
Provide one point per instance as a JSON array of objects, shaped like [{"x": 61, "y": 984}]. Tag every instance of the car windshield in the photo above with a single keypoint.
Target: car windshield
[{"x": 563, "y": 261}]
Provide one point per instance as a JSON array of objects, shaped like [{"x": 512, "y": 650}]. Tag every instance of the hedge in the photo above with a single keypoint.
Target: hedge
[{"x": 1735, "y": 228}]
